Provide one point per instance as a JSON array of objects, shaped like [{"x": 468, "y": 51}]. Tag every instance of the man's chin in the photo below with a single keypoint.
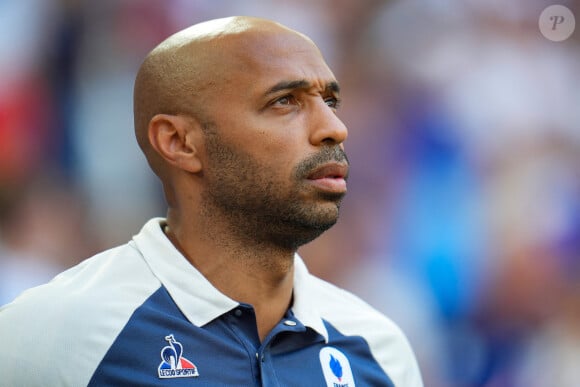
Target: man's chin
[
  {"x": 296, "y": 240},
  {"x": 303, "y": 231}
]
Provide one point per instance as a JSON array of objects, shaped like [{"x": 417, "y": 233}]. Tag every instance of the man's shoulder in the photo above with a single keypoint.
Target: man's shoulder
[
  {"x": 335, "y": 302},
  {"x": 98, "y": 282},
  {"x": 349, "y": 315},
  {"x": 83, "y": 281},
  {"x": 83, "y": 307}
]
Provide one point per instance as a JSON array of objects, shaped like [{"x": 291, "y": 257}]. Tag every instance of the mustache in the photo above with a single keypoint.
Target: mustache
[{"x": 327, "y": 155}]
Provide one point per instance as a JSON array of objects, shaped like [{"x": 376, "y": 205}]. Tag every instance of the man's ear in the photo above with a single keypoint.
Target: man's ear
[{"x": 176, "y": 139}]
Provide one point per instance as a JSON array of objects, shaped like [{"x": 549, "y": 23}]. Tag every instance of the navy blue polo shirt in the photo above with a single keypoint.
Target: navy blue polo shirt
[{"x": 141, "y": 315}]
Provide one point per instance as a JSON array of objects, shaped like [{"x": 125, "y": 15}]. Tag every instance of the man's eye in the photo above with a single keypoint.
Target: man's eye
[
  {"x": 332, "y": 102},
  {"x": 285, "y": 100}
]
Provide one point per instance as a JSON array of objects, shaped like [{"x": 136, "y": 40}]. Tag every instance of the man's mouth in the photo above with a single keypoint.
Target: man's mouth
[{"x": 330, "y": 177}]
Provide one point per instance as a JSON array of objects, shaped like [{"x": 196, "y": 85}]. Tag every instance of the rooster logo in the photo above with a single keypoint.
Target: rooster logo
[{"x": 173, "y": 365}]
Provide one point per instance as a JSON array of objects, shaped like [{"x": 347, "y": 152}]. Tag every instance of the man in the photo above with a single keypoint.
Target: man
[{"x": 237, "y": 117}]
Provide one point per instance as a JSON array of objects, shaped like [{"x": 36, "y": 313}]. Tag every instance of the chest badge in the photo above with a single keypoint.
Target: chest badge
[
  {"x": 173, "y": 365},
  {"x": 336, "y": 368}
]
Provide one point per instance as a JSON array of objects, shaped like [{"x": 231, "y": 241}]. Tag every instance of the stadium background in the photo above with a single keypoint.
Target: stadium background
[{"x": 462, "y": 221}]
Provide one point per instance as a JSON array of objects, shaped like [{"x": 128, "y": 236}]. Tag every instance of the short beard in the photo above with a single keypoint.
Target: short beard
[{"x": 255, "y": 207}]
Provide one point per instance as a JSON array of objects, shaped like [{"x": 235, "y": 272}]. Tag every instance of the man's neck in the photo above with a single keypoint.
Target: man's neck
[{"x": 252, "y": 273}]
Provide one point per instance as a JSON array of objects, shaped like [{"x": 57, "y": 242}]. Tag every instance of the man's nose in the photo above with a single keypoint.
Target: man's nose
[{"x": 325, "y": 126}]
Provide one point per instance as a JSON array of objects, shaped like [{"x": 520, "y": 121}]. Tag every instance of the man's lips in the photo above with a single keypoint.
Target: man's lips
[
  {"x": 330, "y": 177},
  {"x": 334, "y": 170}
]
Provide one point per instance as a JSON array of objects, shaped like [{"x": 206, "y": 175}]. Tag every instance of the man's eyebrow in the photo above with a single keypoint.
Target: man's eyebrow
[
  {"x": 333, "y": 86},
  {"x": 301, "y": 84}
]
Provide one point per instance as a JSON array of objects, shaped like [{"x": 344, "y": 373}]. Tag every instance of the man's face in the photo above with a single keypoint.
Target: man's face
[{"x": 275, "y": 164}]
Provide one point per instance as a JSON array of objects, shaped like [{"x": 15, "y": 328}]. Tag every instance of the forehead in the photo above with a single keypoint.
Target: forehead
[{"x": 260, "y": 60}]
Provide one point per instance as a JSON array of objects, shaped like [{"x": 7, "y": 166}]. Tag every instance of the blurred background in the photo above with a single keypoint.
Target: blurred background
[{"x": 462, "y": 221}]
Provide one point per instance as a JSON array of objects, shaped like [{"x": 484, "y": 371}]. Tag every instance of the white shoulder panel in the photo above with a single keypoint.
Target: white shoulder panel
[
  {"x": 354, "y": 317},
  {"x": 57, "y": 333}
]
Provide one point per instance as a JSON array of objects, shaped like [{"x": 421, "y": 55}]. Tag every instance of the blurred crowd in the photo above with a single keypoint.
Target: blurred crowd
[{"x": 462, "y": 221}]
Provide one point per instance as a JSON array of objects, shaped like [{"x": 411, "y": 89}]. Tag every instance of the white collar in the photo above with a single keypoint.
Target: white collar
[{"x": 196, "y": 297}]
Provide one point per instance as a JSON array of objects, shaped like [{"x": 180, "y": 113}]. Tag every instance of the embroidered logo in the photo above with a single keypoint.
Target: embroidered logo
[
  {"x": 173, "y": 365},
  {"x": 336, "y": 368}
]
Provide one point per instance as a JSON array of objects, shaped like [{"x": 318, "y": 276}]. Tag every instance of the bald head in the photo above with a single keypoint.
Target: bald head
[{"x": 183, "y": 73}]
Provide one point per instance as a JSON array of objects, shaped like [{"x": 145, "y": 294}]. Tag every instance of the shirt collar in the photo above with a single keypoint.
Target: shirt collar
[
  {"x": 196, "y": 297},
  {"x": 302, "y": 305}
]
